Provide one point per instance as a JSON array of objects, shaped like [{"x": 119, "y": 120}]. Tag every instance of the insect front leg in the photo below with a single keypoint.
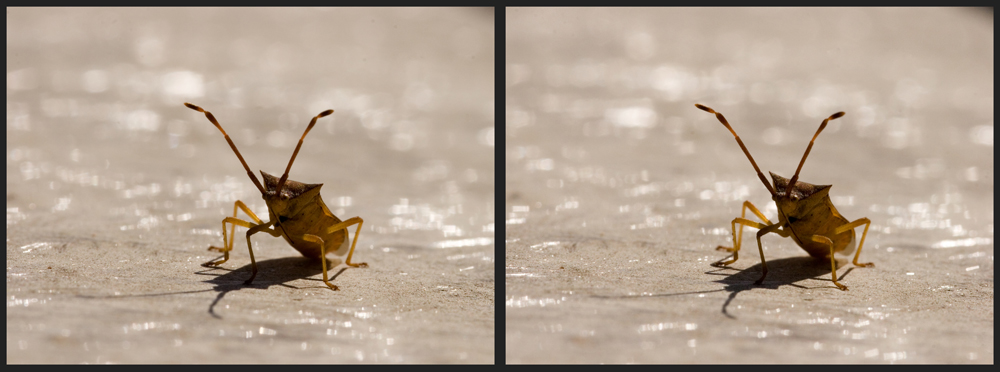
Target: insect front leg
[
  {"x": 833, "y": 262},
  {"x": 764, "y": 231},
  {"x": 736, "y": 243},
  {"x": 322, "y": 243},
  {"x": 842, "y": 229},
  {"x": 227, "y": 241},
  {"x": 265, "y": 227},
  {"x": 736, "y": 240}
]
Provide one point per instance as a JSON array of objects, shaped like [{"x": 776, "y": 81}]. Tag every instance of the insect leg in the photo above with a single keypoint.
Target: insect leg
[
  {"x": 851, "y": 226},
  {"x": 340, "y": 226},
  {"x": 833, "y": 262},
  {"x": 227, "y": 243},
  {"x": 227, "y": 240},
  {"x": 764, "y": 231},
  {"x": 737, "y": 240},
  {"x": 265, "y": 227},
  {"x": 736, "y": 243},
  {"x": 746, "y": 204},
  {"x": 322, "y": 244},
  {"x": 357, "y": 231}
]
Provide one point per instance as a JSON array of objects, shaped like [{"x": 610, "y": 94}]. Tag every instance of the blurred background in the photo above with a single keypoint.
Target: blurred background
[
  {"x": 618, "y": 189},
  {"x": 115, "y": 189}
]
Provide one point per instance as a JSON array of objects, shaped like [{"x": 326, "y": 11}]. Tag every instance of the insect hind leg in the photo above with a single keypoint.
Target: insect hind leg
[
  {"x": 850, "y": 226},
  {"x": 318, "y": 240},
  {"x": 357, "y": 231}
]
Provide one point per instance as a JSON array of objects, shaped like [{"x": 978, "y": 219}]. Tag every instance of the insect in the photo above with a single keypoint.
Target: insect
[
  {"x": 296, "y": 212},
  {"x": 805, "y": 213}
]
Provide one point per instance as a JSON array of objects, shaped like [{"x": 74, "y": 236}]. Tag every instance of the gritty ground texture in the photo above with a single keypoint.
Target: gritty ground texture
[
  {"x": 115, "y": 190},
  {"x": 618, "y": 189}
]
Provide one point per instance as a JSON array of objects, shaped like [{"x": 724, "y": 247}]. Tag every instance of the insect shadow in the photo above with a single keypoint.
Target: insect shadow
[
  {"x": 277, "y": 271},
  {"x": 785, "y": 271}
]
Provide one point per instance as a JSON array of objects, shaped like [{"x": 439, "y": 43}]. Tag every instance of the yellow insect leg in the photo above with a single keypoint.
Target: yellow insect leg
[
  {"x": 265, "y": 227},
  {"x": 833, "y": 262},
  {"x": 764, "y": 231},
  {"x": 227, "y": 242},
  {"x": 318, "y": 240},
  {"x": 357, "y": 231},
  {"x": 851, "y": 226},
  {"x": 737, "y": 239},
  {"x": 322, "y": 243}
]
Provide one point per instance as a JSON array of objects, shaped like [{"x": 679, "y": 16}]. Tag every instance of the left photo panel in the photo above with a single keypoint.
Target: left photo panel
[{"x": 251, "y": 185}]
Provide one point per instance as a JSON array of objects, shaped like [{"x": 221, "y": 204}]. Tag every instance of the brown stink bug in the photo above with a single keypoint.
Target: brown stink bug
[
  {"x": 805, "y": 213},
  {"x": 296, "y": 212}
]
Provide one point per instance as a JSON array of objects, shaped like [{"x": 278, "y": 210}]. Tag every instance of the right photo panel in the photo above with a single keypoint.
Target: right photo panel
[{"x": 748, "y": 185}]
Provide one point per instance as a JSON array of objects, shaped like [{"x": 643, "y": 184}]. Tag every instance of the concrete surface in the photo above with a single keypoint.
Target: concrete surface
[
  {"x": 618, "y": 190},
  {"x": 115, "y": 190}
]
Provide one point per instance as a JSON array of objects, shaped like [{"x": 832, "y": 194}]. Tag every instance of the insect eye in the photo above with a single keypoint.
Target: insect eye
[{"x": 282, "y": 219}]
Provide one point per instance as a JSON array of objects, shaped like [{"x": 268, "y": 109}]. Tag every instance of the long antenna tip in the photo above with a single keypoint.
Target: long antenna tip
[
  {"x": 702, "y": 107},
  {"x": 325, "y": 113},
  {"x": 837, "y": 115},
  {"x": 193, "y": 107}
]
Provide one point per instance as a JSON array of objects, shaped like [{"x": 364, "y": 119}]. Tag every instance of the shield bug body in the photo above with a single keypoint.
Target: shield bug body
[{"x": 805, "y": 213}]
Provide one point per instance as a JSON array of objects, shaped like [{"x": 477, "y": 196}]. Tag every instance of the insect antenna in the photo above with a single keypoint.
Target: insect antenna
[
  {"x": 284, "y": 177},
  {"x": 722, "y": 119},
  {"x": 791, "y": 182},
  {"x": 211, "y": 118}
]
